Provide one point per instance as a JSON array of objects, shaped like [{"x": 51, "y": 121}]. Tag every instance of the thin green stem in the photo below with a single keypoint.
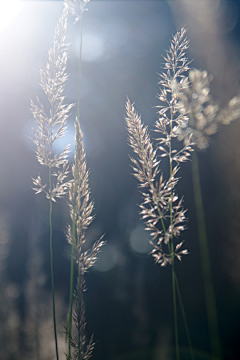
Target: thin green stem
[
  {"x": 80, "y": 308},
  {"x": 209, "y": 293},
  {"x": 79, "y": 71},
  {"x": 184, "y": 317},
  {"x": 175, "y": 310},
  {"x": 172, "y": 253},
  {"x": 51, "y": 259},
  {"x": 69, "y": 322},
  {"x": 80, "y": 292},
  {"x": 183, "y": 312}
]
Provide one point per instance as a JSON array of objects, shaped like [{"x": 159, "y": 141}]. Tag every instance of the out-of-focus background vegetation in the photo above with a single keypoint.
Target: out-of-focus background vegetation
[{"x": 129, "y": 299}]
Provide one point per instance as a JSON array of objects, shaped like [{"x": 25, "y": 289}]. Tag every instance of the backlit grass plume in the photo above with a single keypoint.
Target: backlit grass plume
[
  {"x": 162, "y": 210},
  {"x": 51, "y": 121},
  {"x": 81, "y": 208},
  {"x": 52, "y": 124},
  {"x": 77, "y": 8},
  {"x": 205, "y": 114},
  {"x": 79, "y": 192},
  {"x": 205, "y": 118}
]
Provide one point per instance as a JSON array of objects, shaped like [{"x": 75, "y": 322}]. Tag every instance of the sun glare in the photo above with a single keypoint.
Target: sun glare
[{"x": 9, "y": 10}]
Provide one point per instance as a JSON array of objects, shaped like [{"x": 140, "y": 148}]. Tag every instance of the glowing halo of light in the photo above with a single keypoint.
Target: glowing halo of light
[
  {"x": 9, "y": 10},
  {"x": 107, "y": 258},
  {"x": 93, "y": 47},
  {"x": 139, "y": 240}
]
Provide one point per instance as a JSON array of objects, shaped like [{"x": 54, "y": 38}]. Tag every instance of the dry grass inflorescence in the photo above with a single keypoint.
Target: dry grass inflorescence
[
  {"x": 187, "y": 112},
  {"x": 81, "y": 208},
  {"x": 162, "y": 209},
  {"x": 77, "y": 8},
  {"x": 205, "y": 118},
  {"x": 205, "y": 114},
  {"x": 52, "y": 125}
]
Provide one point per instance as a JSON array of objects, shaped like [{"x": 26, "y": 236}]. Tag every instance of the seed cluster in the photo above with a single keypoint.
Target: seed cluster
[{"x": 161, "y": 209}]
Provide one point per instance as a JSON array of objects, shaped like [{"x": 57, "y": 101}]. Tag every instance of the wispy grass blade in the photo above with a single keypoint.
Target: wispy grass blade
[
  {"x": 184, "y": 318},
  {"x": 81, "y": 208},
  {"x": 52, "y": 126},
  {"x": 209, "y": 293},
  {"x": 161, "y": 209},
  {"x": 205, "y": 118},
  {"x": 77, "y": 8}
]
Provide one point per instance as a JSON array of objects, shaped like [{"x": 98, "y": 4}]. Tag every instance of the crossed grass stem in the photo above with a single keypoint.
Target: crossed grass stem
[
  {"x": 51, "y": 127},
  {"x": 170, "y": 245},
  {"x": 175, "y": 285},
  {"x": 81, "y": 208},
  {"x": 205, "y": 117},
  {"x": 79, "y": 18},
  {"x": 149, "y": 165},
  {"x": 160, "y": 202},
  {"x": 52, "y": 270}
]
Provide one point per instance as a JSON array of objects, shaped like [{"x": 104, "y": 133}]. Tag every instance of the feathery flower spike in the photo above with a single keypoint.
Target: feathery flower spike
[
  {"x": 52, "y": 124},
  {"x": 81, "y": 208},
  {"x": 77, "y": 8},
  {"x": 161, "y": 209},
  {"x": 205, "y": 114}
]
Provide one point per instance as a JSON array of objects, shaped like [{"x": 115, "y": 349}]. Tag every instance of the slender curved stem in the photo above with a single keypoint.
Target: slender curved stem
[
  {"x": 175, "y": 311},
  {"x": 184, "y": 317},
  {"x": 69, "y": 322},
  {"x": 80, "y": 309},
  {"x": 209, "y": 293},
  {"x": 172, "y": 254},
  {"x": 51, "y": 260},
  {"x": 79, "y": 71}
]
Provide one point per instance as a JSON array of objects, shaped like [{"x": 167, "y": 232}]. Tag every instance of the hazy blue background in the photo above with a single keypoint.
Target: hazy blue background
[{"x": 129, "y": 299}]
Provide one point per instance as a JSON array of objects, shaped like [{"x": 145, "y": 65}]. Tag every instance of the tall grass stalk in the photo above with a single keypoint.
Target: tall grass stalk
[
  {"x": 205, "y": 117},
  {"x": 184, "y": 317},
  {"x": 209, "y": 293},
  {"x": 52, "y": 271},
  {"x": 81, "y": 208},
  {"x": 77, "y": 8},
  {"x": 51, "y": 127},
  {"x": 171, "y": 246},
  {"x": 161, "y": 208}
]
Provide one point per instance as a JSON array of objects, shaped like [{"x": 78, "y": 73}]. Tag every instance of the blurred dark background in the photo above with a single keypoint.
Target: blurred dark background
[{"x": 129, "y": 298}]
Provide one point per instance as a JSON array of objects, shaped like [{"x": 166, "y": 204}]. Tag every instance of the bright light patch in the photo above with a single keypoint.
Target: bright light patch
[
  {"x": 68, "y": 139},
  {"x": 58, "y": 145},
  {"x": 107, "y": 258},
  {"x": 9, "y": 10},
  {"x": 93, "y": 48},
  {"x": 139, "y": 240}
]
